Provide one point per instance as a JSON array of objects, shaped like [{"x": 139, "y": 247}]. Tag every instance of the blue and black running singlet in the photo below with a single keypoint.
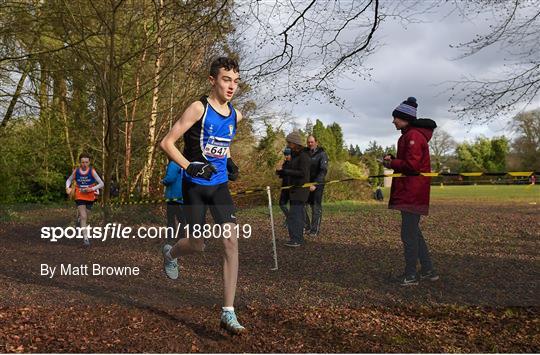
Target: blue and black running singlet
[
  {"x": 209, "y": 139},
  {"x": 85, "y": 180}
]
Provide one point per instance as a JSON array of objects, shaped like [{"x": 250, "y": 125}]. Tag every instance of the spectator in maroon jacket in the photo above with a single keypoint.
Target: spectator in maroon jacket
[{"x": 410, "y": 194}]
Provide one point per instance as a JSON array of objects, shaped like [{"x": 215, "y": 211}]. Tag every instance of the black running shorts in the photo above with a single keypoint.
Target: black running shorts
[
  {"x": 88, "y": 204},
  {"x": 217, "y": 197}
]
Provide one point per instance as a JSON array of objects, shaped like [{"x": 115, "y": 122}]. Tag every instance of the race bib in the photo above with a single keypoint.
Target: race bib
[{"x": 217, "y": 147}]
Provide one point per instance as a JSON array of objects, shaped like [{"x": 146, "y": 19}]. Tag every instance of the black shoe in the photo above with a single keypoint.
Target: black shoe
[
  {"x": 292, "y": 244},
  {"x": 410, "y": 280},
  {"x": 430, "y": 275},
  {"x": 313, "y": 233}
]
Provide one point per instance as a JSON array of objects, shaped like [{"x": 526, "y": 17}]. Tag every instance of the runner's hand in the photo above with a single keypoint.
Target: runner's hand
[
  {"x": 201, "y": 170},
  {"x": 232, "y": 169},
  {"x": 68, "y": 190}
]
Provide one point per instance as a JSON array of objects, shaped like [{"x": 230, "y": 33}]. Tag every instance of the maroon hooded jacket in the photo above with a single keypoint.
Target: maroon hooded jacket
[{"x": 411, "y": 193}]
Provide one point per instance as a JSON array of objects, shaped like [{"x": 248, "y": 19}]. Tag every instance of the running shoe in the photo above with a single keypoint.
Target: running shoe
[
  {"x": 170, "y": 266},
  {"x": 292, "y": 244},
  {"x": 230, "y": 323},
  {"x": 430, "y": 275},
  {"x": 410, "y": 280}
]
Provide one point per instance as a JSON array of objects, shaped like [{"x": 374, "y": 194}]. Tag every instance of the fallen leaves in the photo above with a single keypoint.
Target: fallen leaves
[{"x": 335, "y": 294}]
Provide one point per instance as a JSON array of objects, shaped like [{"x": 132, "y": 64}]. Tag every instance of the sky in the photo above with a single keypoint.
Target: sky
[{"x": 415, "y": 60}]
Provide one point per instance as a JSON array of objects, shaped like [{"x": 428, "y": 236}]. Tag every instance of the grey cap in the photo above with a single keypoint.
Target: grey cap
[{"x": 295, "y": 137}]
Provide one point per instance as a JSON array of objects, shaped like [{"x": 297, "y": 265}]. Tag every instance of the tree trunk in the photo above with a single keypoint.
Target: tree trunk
[
  {"x": 18, "y": 91},
  {"x": 59, "y": 106},
  {"x": 103, "y": 134},
  {"x": 129, "y": 127},
  {"x": 63, "y": 111},
  {"x": 112, "y": 108},
  {"x": 173, "y": 83},
  {"x": 150, "y": 151},
  {"x": 43, "y": 98}
]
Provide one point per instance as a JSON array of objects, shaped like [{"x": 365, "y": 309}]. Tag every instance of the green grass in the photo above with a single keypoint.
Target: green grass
[
  {"x": 490, "y": 193},
  {"x": 495, "y": 193}
]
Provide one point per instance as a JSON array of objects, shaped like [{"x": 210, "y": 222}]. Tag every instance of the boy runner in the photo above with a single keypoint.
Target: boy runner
[
  {"x": 208, "y": 127},
  {"x": 87, "y": 184}
]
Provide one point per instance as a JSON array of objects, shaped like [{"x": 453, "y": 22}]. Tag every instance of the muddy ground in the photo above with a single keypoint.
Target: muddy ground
[{"x": 335, "y": 294}]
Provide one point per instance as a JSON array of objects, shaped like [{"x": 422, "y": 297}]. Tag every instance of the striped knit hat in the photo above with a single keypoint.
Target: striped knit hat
[{"x": 406, "y": 110}]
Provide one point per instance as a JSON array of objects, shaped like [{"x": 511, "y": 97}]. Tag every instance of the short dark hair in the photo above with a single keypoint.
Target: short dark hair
[
  {"x": 84, "y": 155},
  {"x": 225, "y": 63}
]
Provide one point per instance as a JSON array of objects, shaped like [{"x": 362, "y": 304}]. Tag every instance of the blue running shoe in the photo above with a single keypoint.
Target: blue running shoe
[
  {"x": 86, "y": 243},
  {"x": 170, "y": 266},
  {"x": 230, "y": 323}
]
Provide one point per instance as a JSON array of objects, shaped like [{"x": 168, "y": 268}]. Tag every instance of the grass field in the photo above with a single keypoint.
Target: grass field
[
  {"x": 508, "y": 193},
  {"x": 519, "y": 194},
  {"x": 335, "y": 294}
]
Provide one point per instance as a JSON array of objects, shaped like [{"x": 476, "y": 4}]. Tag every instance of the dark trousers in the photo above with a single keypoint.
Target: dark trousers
[
  {"x": 414, "y": 245},
  {"x": 283, "y": 201},
  {"x": 315, "y": 201},
  {"x": 175, "y": 219},
  {"x": 295, "y": 221}
]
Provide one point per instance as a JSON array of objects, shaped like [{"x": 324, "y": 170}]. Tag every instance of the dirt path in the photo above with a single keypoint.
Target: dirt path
[{"x": 336, "y": 294}]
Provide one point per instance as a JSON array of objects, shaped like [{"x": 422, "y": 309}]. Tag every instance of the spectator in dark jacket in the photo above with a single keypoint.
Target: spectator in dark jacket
[
  {"x": 284, "y": 195},
  {"x": 317, "y": 173},
  {"x": 298, "y": 175},
  {"x": 410, "y": 194},
  {"x": 174, "y": 197}
]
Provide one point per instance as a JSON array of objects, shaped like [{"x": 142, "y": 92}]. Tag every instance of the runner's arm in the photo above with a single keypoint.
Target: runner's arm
[
  {"x": 98, "y": 179},
  {"x": 238, "y": 119},
  {"x": 238, "y": 116},
  {"x": 191, "y": 115},
  {"x": 232, "y": 168},
  {"x": 70, "y": 180}
]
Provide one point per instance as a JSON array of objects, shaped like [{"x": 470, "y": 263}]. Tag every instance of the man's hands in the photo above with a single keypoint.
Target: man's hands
[
  {"x": 232, "y": 169},
  {"x": 201, "y": 170}
]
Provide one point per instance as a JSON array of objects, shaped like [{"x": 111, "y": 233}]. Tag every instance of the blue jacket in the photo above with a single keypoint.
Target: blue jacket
[{"x": 173, "y": 181}]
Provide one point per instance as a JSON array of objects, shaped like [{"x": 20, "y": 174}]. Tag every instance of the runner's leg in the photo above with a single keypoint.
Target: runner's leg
[
  {"x": 83, "y": 216},
  {"x": 170, "y": 219},
  {"x": 222, "y": 208},
  {"x": 195, "y": 197},
  {"x": 230, "y": 266}
]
